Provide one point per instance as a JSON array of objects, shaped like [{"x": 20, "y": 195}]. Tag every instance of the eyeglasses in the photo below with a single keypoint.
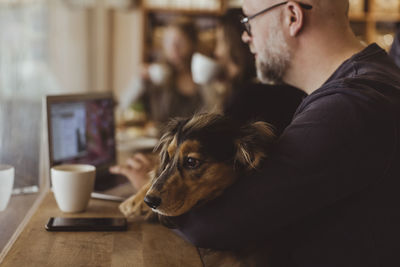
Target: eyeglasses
[{"x": 246, "y": 20}]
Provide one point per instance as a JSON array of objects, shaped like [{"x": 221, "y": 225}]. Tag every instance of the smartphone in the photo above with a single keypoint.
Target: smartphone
[{"x": 86, "y": 224}]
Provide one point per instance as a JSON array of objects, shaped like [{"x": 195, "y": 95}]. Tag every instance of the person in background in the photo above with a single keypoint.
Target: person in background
[
  {"x": 245, "y": 98},
  {"x": 166, "y": 87},
  {"x": 395, "y": 49},
  {"x": 328, "y": 194}
]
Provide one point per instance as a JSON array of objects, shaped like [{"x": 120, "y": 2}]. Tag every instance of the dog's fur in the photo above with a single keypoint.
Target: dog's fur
[{"x": 199, "y": 158}]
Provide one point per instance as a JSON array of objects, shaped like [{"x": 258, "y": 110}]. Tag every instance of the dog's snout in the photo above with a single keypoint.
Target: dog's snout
[{"x": 152, "y": 201}]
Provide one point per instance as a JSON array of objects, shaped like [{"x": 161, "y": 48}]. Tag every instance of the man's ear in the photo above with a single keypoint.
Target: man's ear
[
  {"x": 253, "y": 144},
  {"x": 295, "y": 17}
]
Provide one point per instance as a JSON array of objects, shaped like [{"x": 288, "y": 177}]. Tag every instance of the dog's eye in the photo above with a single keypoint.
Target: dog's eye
[{"x": 191, "y": 163}]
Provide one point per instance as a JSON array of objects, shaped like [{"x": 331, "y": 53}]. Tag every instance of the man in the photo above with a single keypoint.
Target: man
[{"x": 328, "y": 195}]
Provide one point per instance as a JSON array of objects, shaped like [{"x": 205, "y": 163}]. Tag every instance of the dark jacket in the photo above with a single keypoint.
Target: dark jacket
[
  {"x": 275, "y": 104},
  {"x": 329, "y": 194}
]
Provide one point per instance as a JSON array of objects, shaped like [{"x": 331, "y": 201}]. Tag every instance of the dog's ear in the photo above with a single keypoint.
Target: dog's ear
[
  {"x": 253, "y": 144},
  {"x": 170, "y": 130}
]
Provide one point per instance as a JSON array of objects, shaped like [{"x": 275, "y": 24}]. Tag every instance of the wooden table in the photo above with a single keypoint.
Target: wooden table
[
  {"x": 144, "y": 244},
  {"x": 10, "y": 219}
]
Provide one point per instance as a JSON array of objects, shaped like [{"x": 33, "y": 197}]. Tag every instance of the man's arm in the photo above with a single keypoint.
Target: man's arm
[{"x": 329, "y": 152}]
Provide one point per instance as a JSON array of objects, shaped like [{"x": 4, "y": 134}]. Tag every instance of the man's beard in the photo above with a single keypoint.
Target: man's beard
[{"x": 274, "y": 59}]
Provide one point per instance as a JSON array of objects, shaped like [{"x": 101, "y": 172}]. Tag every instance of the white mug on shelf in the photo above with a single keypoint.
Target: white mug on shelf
[
  {"x": 72, "y": 186},
  {"x": 204, "y": 69},
  {"x": 6, "y": 184}
]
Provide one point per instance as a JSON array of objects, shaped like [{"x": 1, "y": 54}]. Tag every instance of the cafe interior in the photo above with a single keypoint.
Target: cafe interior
[{"x": 72, "y": 71}]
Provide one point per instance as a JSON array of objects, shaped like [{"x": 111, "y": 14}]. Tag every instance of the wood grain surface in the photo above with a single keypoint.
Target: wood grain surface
[
  {"x": 12, "y": 216},
  {"x": 144, "y": 244}
]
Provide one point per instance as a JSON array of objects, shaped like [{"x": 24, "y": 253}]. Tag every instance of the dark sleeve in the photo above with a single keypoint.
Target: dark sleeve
[{"x": 328, "y": 152}]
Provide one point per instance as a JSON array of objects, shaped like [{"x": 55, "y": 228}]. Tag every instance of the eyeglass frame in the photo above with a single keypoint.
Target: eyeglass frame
[{"x": 246, "y": 20}]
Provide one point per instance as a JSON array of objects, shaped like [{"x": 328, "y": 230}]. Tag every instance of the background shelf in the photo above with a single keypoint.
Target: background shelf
[{"x": 371, "y": 20}]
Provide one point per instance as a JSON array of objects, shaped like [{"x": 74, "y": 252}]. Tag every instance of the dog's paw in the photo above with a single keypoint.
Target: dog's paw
[{"x": 135, "y": 206}]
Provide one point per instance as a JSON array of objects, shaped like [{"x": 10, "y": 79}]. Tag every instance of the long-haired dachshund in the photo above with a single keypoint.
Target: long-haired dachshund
[{"x": 199, "y": 158}]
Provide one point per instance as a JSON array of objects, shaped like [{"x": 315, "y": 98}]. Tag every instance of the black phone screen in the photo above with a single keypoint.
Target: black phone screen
[{"x": 86, "y": 224}]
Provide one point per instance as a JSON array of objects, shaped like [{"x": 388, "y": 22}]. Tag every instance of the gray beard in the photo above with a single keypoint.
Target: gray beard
[
  {"x": 271, "y": 72},
  {"x": 274, "y": 60}
]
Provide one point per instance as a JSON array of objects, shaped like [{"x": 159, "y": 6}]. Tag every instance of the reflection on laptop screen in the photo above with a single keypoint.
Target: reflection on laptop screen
[
  {"x": 82, "y": 131},
  {"x": 69, "y": 131}
]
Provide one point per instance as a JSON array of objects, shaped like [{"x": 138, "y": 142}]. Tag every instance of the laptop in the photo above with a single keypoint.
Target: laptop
[{"x": 81, "y": 129}]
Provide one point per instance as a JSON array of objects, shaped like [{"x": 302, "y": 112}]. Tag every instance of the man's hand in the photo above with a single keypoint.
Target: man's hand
[{"x": 136, "y": 169}]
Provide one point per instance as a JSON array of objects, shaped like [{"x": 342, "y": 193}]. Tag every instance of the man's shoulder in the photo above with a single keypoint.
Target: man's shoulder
[
  {"x": 371, "y": 87},
  {"x": 353, "y": 97},
  {"x": 367, "y": 73}
]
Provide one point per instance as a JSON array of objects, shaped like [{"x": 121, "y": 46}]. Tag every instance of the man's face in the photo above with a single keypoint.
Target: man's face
[{"x": 267, "y": 42}]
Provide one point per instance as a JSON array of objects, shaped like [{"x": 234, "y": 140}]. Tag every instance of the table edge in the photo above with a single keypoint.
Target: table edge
[{"x": 22, "y": 225}]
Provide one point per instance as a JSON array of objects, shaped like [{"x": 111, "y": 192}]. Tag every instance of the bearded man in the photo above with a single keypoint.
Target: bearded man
[{"x": 328, "y": 195}]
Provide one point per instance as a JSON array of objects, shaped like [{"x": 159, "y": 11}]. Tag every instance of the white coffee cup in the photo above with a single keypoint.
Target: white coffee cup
[
  {"x": 6, "y": 184},
  {"x": 72, "y": 186},
  {"x": 159, "y": 73},
  {"x": 204, "y": 69}
]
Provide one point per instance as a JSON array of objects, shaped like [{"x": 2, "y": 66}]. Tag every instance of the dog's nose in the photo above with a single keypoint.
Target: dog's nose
[{"x": 152, "y": 202}]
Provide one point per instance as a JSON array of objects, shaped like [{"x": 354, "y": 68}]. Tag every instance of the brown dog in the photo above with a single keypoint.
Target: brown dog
[{"x": 199, "y": 158}]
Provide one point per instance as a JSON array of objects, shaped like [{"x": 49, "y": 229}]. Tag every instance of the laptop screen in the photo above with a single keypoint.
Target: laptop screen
[{"x": 81, "y": 129}]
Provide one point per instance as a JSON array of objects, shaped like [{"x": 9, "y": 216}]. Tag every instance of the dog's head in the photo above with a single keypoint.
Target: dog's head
[{"x": 200, "y": 157}]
